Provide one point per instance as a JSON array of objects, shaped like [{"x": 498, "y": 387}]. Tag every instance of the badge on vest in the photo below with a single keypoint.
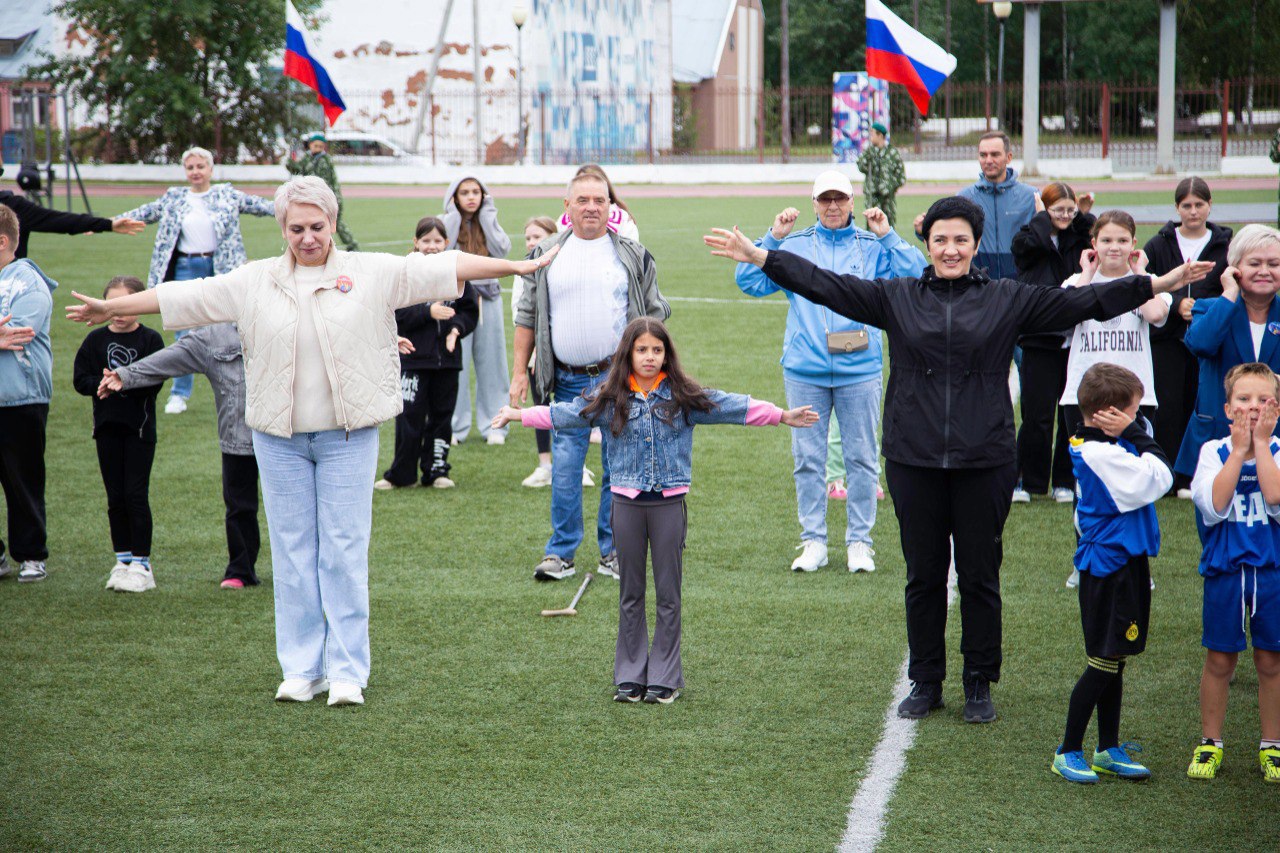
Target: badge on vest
[
  {"x": 344, "y": 283},
  {"x": 1273, "y": 328}
]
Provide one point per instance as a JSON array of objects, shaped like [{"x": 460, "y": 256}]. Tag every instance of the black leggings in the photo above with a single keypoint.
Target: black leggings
[{"x": 125, "y": 461}]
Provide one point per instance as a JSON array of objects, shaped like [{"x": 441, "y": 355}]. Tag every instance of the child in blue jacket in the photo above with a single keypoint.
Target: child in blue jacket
[
  {"x": 1120, "y": 473},
  {"x": 651, "y": 411},
  {"x": 1236, "y": 491}
]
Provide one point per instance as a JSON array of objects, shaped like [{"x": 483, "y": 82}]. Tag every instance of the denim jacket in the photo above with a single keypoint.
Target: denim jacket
[{"x": 650, "y": 454}]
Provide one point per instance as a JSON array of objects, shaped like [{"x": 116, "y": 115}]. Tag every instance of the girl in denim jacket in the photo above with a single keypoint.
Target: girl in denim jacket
[{"x": 651, "y": 411}]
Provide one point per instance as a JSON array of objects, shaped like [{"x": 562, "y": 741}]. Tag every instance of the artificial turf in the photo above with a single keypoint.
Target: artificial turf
[{"x": 146, "y": 721}]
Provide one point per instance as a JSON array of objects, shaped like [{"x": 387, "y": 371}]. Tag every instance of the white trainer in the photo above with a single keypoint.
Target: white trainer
[
  {"x": 117, "y": 574},
  {"x": 1184, "y": 494},
  {"x": 442, "y": 483},
  {"x": 135, "y": 579},
  {"x": 300, "y": 689},
  {"x": 588, "y": 479},
  {"x": 813, "y": 556},
  {"x": 595, "y": 436},
  {"x": 1073, "y": 579},
  {"x": 176, "y": 405},
  {"x": 345, "y": 693},
  {"x": 860, "y": 554},
  {"x": 1021, "y": 496},
  {"x": 540, "y": 478},
  {"x": 1064, "y": 496},
  {"x": 495, "y": 439}
]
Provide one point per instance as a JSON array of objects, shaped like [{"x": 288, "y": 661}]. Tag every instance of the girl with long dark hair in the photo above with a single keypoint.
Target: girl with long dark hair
[{"x": 650, "y": 411}]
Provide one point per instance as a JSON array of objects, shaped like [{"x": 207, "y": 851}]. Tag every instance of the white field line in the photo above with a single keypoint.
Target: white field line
[{"x": 864, "y": 829}]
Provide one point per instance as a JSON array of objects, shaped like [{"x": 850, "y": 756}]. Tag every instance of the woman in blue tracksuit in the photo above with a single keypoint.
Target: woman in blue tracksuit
[{"x": 840, "y": 373}]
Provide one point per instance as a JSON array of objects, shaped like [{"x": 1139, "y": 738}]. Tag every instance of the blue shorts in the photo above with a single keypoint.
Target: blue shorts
[{"x": 1232, "y": 599}]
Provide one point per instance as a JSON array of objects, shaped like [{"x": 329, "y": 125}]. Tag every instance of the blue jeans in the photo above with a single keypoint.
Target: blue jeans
[
  {"x": 185, "y": 270},
  {"x": 568, "y": 457},
  {"x": 318, "y": 492},
  {"x": 857, "y": 411}
]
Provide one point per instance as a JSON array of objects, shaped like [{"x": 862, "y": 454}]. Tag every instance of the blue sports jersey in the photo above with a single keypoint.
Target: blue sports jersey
[
  {"x": 1117, "y": 483},
  {"x": 1247, "y": 533}
]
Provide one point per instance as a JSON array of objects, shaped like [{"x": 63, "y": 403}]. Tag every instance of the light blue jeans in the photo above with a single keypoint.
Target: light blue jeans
[
  {"x": 568, "y": 457},
  {"x": 318, "y": 491},
  {"x": 185, "y": 270},
  {"x": 484, "y": 356},
  {"x": 857, "y": 411}
]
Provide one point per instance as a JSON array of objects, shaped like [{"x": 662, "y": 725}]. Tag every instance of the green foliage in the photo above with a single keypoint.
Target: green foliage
[{"x": 171, "y": 75}]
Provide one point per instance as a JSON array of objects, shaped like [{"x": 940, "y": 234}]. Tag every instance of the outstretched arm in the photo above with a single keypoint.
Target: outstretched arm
[{"x": 93, "y": 312}]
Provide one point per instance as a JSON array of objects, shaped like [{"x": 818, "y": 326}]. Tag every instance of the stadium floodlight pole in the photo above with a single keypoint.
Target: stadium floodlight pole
[
  {"x": 519, "y": 14},
  {"x": 425, "y": 104},
  {"x": 1002, "y": 12}
]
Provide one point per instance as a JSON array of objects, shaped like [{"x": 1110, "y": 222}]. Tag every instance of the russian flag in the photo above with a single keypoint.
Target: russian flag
[
  {"x": 899, "y": 54},
  {"x": 301, "y": 64}
]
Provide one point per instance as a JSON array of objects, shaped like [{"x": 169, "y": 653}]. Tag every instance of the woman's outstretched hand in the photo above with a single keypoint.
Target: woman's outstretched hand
[
  {"x": 802, "y": 417},
  {"x": 91, "y": 312},
  {"x": 735, "y": 246},
  {"x": 506, "y": 415},
  {"x": 1188, "y": 273},
  {"x": 532, "y": 265}
]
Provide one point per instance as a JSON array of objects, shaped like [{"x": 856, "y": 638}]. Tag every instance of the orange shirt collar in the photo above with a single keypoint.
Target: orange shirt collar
[{"x": 635, "y": 386}]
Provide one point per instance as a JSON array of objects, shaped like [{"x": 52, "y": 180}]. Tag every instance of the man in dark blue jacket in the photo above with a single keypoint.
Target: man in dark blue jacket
[{"x": 1006, "y": 204}]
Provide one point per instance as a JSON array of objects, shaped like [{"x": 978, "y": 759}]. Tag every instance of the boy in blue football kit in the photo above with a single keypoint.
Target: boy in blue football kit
[
  {"x": 1120, "y": 472},
  {"x": 1236, "y": 490}
]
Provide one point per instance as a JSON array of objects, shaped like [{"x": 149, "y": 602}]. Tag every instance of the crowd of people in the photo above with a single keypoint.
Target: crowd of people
[{"x": 1129, "y": 358}]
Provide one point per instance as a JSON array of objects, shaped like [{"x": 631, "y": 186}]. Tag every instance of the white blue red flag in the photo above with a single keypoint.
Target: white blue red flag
[
  {"x": 899, "y": 54},
  {"x": 302, "y": 64}
]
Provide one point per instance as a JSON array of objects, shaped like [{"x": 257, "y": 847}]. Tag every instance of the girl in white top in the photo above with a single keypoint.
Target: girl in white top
[{"x": 1123, "y": 340}]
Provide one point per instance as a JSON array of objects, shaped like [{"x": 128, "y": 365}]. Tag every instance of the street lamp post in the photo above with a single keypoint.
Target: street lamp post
[
  {"x": 1002, "y": 12},
  {"x": 519, "y": 14}
]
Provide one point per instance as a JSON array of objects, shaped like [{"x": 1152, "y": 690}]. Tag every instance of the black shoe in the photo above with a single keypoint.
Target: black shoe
[
  {"x": 978, "y": 707},
  {"x": 924, "y": 697},
  {"x": 628, "y": 691},
  {"x": 661, "y": 695}
]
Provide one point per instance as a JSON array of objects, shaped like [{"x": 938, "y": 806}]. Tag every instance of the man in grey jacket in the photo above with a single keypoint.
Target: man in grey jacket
[
  {"x": 570, "y": 318},
  {"x": 214, "y": 351}
]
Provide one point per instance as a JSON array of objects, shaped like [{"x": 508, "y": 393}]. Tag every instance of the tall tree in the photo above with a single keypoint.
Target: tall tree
[{"x": 170, "y": 75}]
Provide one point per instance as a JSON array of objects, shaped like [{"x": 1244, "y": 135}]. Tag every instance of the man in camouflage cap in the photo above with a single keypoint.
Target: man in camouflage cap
[
  {"x": 318, "y": 162},
  {"x": 883, "y": 173}
]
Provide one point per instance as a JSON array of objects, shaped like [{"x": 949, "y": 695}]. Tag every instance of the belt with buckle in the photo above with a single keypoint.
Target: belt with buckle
[
  {"x": 592, "y": 370},
  {"x": 195, "y": 254}
]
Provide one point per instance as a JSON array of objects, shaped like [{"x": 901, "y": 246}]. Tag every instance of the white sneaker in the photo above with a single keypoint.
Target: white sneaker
[
  {"x": 442, "y": 483},
  {"x": 135, "y": 579},
  {"x": 860, "y": 554},
  {"x": 1021, "y": 496},
  {"x": 540, "y": 478},
  {"x": 300, "y": 689},
  {"x": 1153, "y": 583},
  {"x": 588, "y": 479},
  {"x": 595, "y": 435},
  {"x": 1073, "y": 579},
  {"x": 32, "y": 571},
  {"x": 1184, "y": 494},
  {"x": 117, "y": 574},
  {"x": 813, "y": 556},
  {"x": 1064, "y": 496},
  {"x": 384, "y": 485},
  {"x": 176, "y": 405},
  {"x": 496, "y": 439},
  {"x": 455, "y": 440},
  {"x": 345, "y": 693},
  {"x": 5, "y": 566}
]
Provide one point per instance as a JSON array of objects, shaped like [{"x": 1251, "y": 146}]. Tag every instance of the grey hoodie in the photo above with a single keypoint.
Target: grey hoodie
[{"x": 495, "y": 238}]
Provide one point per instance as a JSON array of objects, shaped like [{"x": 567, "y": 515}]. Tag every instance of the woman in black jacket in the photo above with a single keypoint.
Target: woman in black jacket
[
  {"x": 1192, "y": 237},
  {"x": 1047, "y": 251},
  {"x": 948, "y": 420}
]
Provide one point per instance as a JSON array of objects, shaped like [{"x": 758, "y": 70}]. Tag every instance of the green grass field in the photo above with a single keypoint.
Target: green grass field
[{"x": 146, "y": 721}]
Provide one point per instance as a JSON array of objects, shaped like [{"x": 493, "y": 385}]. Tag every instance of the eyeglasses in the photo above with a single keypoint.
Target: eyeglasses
[
  {"x": 830, "y": 200},
  {"x": 1064, "y": 213}
]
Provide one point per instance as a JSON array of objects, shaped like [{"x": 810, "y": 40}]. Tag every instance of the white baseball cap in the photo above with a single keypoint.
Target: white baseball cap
[{"x": 832, "y": 181}]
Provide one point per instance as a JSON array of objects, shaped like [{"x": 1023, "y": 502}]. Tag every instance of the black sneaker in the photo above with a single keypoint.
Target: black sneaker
[
  {"x": 925, "y": 696},
  {"x": 628, "y": 691},
  {"x": 978, "y": 707},
  {"x": 661, "y": 695}
]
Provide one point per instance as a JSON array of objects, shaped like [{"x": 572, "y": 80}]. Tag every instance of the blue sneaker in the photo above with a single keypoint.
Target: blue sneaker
[
  {"x": 1072, "y": 767},
  {"x": 1116, "y": 762}
]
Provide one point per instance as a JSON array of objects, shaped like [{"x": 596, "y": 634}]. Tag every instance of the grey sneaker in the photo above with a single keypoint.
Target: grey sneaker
[
  {"x": 32, "y": 571},
  {"x": 5, "y": 566},
  {"x": 609, "y": 566},
  {"x": 553, "y": 568}
]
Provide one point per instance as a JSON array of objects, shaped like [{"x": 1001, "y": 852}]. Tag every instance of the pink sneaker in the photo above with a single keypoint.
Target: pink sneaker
[
  {"x": 836, "y": 490},
  {"x": 232, "y": 583}
]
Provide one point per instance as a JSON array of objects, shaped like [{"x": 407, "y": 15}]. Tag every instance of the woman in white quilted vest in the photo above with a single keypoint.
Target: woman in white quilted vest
[
  {"x": 319, "y": 334},
  {"x": 198, "y": 236}
]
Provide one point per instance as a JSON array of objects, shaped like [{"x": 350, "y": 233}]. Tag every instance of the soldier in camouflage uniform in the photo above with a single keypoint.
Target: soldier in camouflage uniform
[
  {"x": 883, "y": 173},
  {"x": 317, "y": 162},
  {"x": 1274, "y": 154}
]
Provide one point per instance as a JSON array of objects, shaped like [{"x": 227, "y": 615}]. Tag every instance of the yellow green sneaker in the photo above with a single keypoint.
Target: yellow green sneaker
[
  {"x": 1117, "y": 762},
  {"x": 1205, "y": 761},
  {"x": 1270, "y": 761}
]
